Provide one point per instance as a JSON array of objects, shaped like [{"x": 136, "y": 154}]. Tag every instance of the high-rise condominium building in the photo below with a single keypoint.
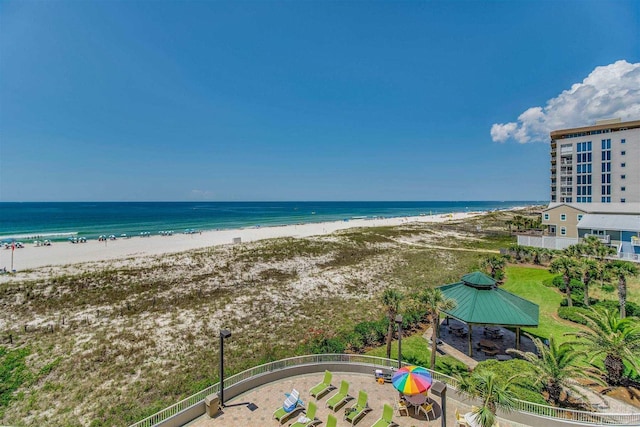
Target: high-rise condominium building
[{"x": 596, "y": 164}]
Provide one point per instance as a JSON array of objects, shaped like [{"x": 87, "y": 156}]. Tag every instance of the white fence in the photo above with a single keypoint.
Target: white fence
[
  {"x": 547, "y": 242},
  {"x": 560, "y": 414}
]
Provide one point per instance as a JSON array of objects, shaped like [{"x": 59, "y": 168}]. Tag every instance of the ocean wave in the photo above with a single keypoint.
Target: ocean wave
[{"x": 38, "y": 235}]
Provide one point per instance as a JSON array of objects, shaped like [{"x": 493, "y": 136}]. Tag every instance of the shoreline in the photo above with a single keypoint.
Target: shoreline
[{"x": 63, "y": 253}]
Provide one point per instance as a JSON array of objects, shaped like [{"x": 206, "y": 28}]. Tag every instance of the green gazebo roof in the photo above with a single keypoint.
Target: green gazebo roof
[
  {"x": 479, "y": 301},
  {"x": 478, "y": 279}
]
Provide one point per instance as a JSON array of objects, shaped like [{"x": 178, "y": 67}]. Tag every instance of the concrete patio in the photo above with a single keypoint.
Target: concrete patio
[{"x": 256, "y": 407}]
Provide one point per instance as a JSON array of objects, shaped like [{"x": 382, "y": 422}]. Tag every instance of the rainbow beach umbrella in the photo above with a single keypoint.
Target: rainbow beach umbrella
[{"x": 412, "y": 380}]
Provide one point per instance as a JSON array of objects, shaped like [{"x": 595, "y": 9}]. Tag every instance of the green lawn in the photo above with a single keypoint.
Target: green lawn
[{"x": 527, "y": 283}]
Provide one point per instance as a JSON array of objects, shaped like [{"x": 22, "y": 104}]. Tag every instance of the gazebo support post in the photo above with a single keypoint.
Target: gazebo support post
[
  {"x": 518, "y": 337},
  {"x": 470, "y": 346}
]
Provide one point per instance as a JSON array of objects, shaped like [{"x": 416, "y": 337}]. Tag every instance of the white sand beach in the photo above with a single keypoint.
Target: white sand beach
[{"x": 63, "y": 253}]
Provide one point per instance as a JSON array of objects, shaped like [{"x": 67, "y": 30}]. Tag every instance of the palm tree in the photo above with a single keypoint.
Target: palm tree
[
  {"x": 391, "y": 301},
  {"x": 518, "y": 221},
  {"x": 509, "y": 223},
  {"x": 622, "y": 269},
  {"x": 593, "y": 246},
  {"x": 538, "y": 253},
  {"x": 555, "y": 366},
  {"x": 484, "y": 385},
  {"x": 568, "y": 268},
  {"x": 590, "y": 270},
  {"x": 435, "y": 302},
  {"x": 495, "y": 265},
  {"x": 618, "y": 339}
]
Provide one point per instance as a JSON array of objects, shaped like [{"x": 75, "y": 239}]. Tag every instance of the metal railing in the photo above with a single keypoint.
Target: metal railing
[
  {"x": 570, "y": 415},
  {"x": 575, "y": 416},
  {"x": 629, "y": 256}
]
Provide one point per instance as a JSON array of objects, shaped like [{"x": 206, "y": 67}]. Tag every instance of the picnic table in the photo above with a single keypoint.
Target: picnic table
[
  {"x": 489, "y": 345},
  {"x": 492, "y": 332},
  {"x": 457, "y": 329}
]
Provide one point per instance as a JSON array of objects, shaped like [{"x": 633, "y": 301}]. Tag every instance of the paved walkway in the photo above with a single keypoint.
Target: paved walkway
[{"x": 452, "y": 351}]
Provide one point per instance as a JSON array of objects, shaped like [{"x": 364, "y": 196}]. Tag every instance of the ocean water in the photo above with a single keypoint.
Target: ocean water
[{"x": 59, "y": 220}]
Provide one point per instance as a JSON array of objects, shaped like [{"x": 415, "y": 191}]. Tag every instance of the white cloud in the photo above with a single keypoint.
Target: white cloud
[
  {"x": 610, "y": 91},
  {"x": 500, "y": 132}
]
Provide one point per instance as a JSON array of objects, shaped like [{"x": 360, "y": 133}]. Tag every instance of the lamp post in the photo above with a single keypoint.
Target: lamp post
[
  {"x": 224, "y": 333},
  {"x": 399, "y": 322}
]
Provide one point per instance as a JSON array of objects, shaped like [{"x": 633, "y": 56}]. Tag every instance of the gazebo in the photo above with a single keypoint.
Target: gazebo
[{"x": 479, "y": 301}]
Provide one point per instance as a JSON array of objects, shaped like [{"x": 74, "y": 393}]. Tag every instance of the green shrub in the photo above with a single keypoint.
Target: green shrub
[
  {"x": 631, "y": 308},
  {"x": 353, "y": 341},
  {"x": 578, "y": 300},
  {"x": 524, "y": 386},
  {"x": 371, "y": 332},
  {"x": 608, "y": 288},
  {"x": 572, "y": 314},
  {"x": 412, "y": 317},
  {"x": 320, "y": 345},
  {"x": 451, "y": 367}
]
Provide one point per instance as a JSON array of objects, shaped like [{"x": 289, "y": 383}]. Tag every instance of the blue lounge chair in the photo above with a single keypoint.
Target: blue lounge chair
[{"x": 292, "y": 404}]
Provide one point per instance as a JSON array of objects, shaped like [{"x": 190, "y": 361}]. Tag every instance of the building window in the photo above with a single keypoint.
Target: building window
[
  {"x": 563, "y": 217},
  {"x": 624, "y": 153},
  {"x": 623, "y": 188},
  {"x": 546, "y": 217},
  {"x": 579, "y": 217},
  {"x": 623, "y": 165},
  {"x": 563, "y": 231},
  {"x": 623, "y": 141},
  {"x": 623, "y": 176},
  {"x": 623, "y": 200}
]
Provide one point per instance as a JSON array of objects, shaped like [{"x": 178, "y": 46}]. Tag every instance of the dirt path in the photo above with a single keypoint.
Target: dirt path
[{"x": 447, "y": 248}]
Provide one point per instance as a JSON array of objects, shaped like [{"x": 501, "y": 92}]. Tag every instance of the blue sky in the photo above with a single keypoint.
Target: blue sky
[{"x": 203, "y": 100}]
